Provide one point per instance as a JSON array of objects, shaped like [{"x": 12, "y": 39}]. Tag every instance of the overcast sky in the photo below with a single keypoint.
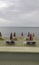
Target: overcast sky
[{"x": 19, "y": 13}]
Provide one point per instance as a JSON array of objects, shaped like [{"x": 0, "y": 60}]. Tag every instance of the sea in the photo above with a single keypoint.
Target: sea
[{"x": 7, "y": 30}]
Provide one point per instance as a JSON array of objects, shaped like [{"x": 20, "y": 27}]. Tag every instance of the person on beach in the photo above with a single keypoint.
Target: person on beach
[
  {"x": 14, "y": 36},
  {"x": 21, "y": 36},
  {"x": 31, "y": 37},
  {"x": 28, "y": 36},
  {"x": 11, "y": 37},
  {"x": 0, "y": 35},
  {"x": 1, "y": 38},
  {"x": 34, "y": 37},
  {"x": 10, "y": 42}
]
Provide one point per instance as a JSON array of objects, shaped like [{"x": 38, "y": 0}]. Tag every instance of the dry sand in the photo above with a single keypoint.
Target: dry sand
[
  {"x": 18, "y": 43},
  {"x": 18, "y": 47}
]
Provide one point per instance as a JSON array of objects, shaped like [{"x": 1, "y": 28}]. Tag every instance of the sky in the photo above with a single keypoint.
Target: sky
[{"x": 19, "y": 13}]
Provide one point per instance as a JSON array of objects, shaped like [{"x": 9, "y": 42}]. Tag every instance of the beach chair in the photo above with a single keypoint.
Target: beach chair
[
  {"x": 10, "y": 42},
  {"x": 28, "y": 43},
  {"x": 33, "y": 43}
]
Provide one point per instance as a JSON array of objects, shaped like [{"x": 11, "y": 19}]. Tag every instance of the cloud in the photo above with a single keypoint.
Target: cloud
[
  {"x": 29, "y": 19},
  {"x": 4, "y": 4},
  {"x": 4, "y": 22},
  {"x": 19, "y": 12},
  {"x": 27, "y": 15},
  {"x": 28, "y": 5}
]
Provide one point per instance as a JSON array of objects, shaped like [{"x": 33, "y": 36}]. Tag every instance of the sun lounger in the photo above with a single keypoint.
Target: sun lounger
[
  {"x": 10, "y": 42},
  {"x": 34, "y": 42},
  {"x": 30, "y": 42}
]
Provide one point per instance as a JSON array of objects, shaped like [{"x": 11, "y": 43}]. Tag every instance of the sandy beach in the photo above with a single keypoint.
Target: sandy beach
[
  {"x": 18, "y": 43},
  {"x": 18, "y": 47},
  {"x": 10, "y": 54}
]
